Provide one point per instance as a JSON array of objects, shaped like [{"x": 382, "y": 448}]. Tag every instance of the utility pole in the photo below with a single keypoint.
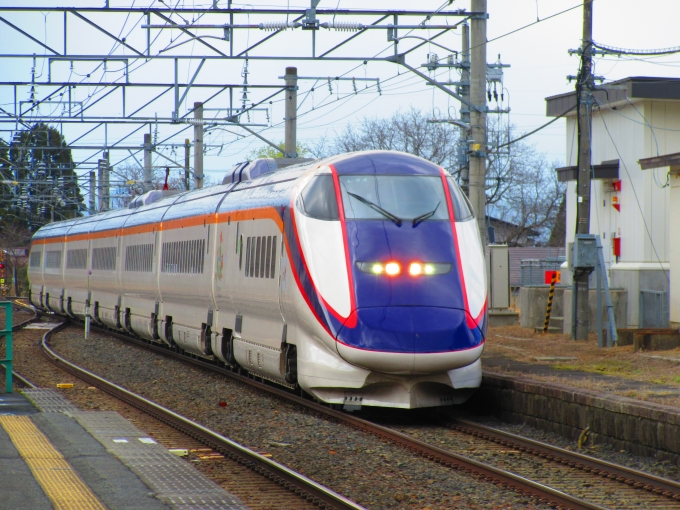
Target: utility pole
[
  {"x": 91, "y": 208},
  {"x": 477, "y": 188},
  {"x": 290, "y": 144},
  {"x": 106, "y": 191},
  {"x": 584, "y": 87},
  {"x": 187, "y": 155},
  {"x": 464, "y": 91},
  {"x": 198, "y": 145},
  {"x": 148, "y": 169},
  {"x": 102, "y": 178}
]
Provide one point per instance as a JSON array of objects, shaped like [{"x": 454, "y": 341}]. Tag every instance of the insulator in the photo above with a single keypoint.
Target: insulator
[
  {"x": 344, "y": 26},
  {"x": 270, "y": 26}
]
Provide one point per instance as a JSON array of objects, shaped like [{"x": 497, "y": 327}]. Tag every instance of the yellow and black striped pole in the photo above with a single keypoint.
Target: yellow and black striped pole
[{"x": 548, "y": 309}]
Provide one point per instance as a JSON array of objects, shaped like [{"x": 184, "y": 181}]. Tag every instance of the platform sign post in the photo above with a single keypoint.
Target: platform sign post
[{"x": 7, "y": 333}]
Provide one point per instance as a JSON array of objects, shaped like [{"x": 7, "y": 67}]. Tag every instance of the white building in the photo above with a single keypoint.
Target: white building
[{"x": 635, "y": 118}]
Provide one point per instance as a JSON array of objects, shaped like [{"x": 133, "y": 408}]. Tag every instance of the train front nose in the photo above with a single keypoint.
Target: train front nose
[
  {"x": 408, "y": 339},
  {"x": 407, "y": 323}
]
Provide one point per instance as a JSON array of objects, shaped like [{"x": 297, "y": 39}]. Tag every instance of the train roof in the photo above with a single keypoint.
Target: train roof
[{"x": 205, "y": 200}]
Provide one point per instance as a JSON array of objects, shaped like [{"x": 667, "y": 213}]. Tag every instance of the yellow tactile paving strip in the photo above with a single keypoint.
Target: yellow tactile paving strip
[{"x": 55, "y": 475}]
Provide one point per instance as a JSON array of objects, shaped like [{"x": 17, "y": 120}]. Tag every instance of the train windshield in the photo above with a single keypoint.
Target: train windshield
[{"x": 413, "y": 198}]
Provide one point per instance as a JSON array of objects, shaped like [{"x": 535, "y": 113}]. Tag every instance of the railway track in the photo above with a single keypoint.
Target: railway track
[
  {"x": 600, "y": 484},
  {"x": 262, "y": 469}
]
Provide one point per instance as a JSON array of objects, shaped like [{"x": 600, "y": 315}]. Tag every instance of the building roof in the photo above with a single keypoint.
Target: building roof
[
  {"x": 616, "y": 92},
  {"x": 660, "y": 161}
]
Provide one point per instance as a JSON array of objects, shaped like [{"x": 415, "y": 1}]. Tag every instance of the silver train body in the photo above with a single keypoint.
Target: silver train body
[{"x": 333, "y": 276}]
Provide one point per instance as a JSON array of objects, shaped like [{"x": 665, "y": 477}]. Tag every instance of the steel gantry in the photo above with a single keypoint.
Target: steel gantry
[{"x": 115, "y": 67}]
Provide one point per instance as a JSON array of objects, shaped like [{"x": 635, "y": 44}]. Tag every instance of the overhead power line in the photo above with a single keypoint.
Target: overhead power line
[
  {"x": 537, "y": 129},
  {"x": 623, "y": 51}
]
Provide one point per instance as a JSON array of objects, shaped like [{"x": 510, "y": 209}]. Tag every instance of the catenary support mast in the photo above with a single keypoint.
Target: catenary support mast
[{"x": 477, "y": 192}]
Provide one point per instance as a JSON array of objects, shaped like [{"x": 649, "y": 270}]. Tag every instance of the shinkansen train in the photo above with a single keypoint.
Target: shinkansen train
[{"x": 359, "y": 279}]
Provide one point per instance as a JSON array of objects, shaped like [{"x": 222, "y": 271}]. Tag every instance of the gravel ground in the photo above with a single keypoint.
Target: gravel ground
[
  {"x": 664, "y": 468},
  {"x": 418, "y": 426},
  {"x": 595, "y": 489},
  {"x": 373, "y": 473}
]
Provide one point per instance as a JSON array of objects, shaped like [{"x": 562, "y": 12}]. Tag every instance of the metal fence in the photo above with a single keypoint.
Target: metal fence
[
  {"x": 654, "y": 309},
  {"x": 532, "y": 271}
]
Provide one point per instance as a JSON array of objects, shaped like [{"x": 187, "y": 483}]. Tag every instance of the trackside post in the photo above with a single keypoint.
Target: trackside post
[{"x": 7, "y": 333}]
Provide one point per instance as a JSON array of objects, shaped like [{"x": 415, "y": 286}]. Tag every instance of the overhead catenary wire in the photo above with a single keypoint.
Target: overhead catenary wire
[{"x": 623, "y": 51}]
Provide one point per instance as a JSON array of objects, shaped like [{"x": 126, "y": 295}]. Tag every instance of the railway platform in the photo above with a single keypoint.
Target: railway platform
[{"x": 53, "y": 455}]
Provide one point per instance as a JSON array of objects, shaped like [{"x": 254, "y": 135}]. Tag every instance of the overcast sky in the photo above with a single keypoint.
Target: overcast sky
[{"x": 538, "y": 56}]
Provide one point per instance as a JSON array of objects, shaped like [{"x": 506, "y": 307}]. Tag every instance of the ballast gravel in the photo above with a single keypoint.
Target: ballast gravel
[{"x": 374, "y": 473}]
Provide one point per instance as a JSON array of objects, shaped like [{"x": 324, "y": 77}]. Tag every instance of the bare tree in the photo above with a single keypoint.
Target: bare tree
[
  {"x": 407, "y": 131},
  {"x": 531, "y": 202},
  {"x": 127, "y": 182},
  {"x": 521, "y": 186}
]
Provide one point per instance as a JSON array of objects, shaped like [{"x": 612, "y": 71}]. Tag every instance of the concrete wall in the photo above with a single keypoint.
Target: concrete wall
[
  {"x": 634, "y": 278},
  {"x": 531, "y": 304},
  {"x": 532, "y": 301},
  {"x": 619, "y": 302}
]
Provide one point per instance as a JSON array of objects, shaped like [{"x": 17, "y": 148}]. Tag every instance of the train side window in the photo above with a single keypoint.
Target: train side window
[
  {"x": 462, "y": 210},
  {"x": 319, "y": 199},
  {"x": 248, "y": 257},
  {"x": 257, "y": 257},
  {"x": 263, "y": 256},
  {"x": 268, "y": 251},
  {"x": 36, "y": 257},
  {"x": 240, "y": 251},
  {"x": 272, "y": 269},
  {"x": 251, "y": 254}
]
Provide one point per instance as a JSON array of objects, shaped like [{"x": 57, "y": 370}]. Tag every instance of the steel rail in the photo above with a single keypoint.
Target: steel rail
[
  {"x": 633, "y": 477},
  {"x": 499, "y": 477},
  {"x": 300, "y": 484}
]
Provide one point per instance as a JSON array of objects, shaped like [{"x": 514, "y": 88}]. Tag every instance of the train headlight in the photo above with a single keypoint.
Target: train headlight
[
  {"x": 415, "y": 269},
  {"x": 392, "y": 268}
]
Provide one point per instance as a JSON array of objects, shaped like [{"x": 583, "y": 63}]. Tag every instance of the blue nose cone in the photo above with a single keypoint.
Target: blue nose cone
[
  {"x": 410, "y": 329},
  {"x": 383, "y": 241}
]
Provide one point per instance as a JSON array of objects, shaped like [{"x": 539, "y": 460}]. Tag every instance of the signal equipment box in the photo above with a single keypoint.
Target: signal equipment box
[{"x": 584, "y": 252}]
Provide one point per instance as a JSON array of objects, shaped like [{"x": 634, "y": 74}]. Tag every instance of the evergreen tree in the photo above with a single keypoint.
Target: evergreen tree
[{"x": 40, "y": 182}]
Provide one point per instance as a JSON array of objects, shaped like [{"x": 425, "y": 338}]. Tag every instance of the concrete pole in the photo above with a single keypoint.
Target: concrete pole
[
  {"x": 198, "y": 145},
  {"x": 101, "y": 183},
  {"x": 91, "y": 207},
  {"x": 290, "y": 144},
  {"x": 477, "y": 192},
  {"x": 148, "y": 169},
  {"x": 106, "y": 189},
  {"x": 584, "y": 85},
  {"x": 464, "y": 91},
  {"x": 187, "y": 156}
]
